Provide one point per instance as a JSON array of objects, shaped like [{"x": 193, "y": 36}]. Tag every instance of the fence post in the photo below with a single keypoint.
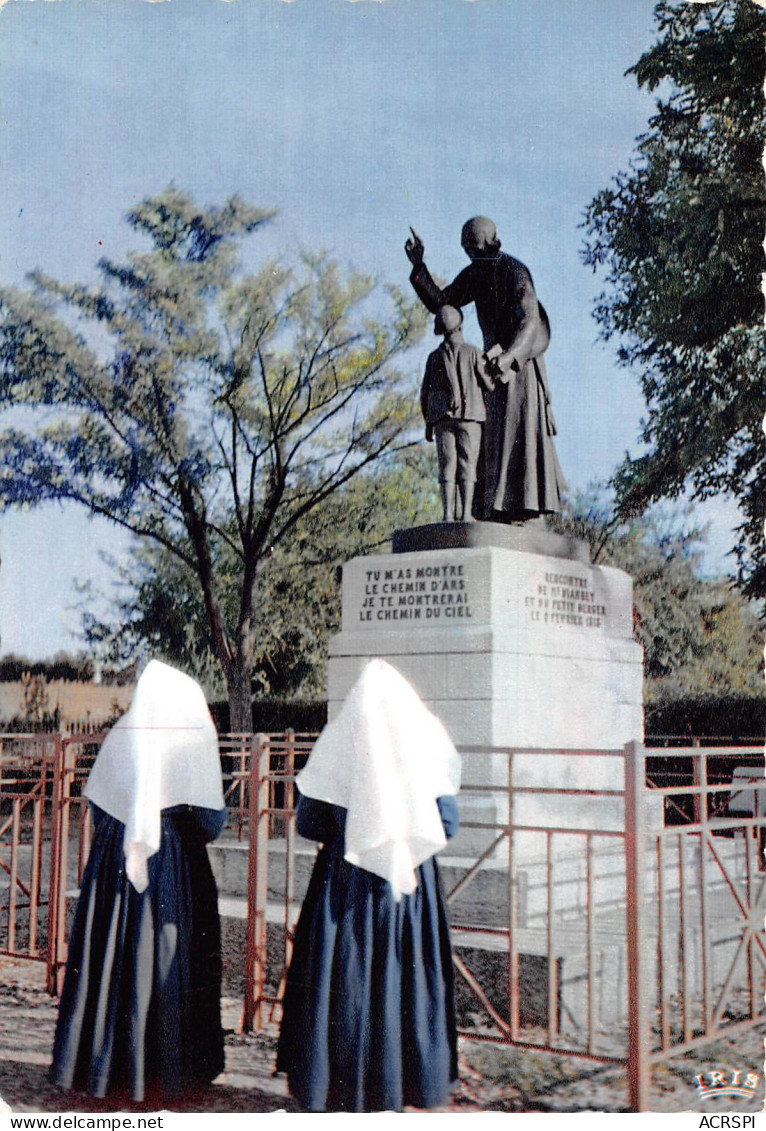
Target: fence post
[
  {"x": 639, "y": 1065},
  {"x": 288, "y": 822},
  {"x": 697, "y": 799},
  {"x": 54, "y": 883},
  {"x": 257, "y": 884}
]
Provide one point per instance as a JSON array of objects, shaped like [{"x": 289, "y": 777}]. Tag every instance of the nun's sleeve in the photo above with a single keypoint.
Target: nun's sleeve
[
  {"x": 315, "y": 820},
  {"x": 449, "y": 815}
]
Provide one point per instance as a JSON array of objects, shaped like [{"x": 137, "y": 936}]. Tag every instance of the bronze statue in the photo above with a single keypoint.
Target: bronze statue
[
  {"x": 452, "y": 402},
  {"x": 520, "y": 476}
]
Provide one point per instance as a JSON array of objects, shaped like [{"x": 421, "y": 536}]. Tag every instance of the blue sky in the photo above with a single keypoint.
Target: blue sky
[{"x": 355, "y": 120}]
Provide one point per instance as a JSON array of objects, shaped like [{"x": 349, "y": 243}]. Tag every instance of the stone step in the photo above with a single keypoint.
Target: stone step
[
  {"x": 529, "y": 941},
  {"x": 229, "y": 861},
  {"x": 484, "y": 897}
]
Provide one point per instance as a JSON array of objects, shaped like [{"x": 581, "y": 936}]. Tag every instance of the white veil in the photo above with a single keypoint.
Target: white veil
[
  {"x": 385, "y": 759},
  {"x": 162, "y": 752}
]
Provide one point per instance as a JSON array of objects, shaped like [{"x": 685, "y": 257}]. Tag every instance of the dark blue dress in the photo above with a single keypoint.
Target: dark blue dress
[
  {"x": 140, "y": 1012},
  {"x": 369, "y": 1018}
]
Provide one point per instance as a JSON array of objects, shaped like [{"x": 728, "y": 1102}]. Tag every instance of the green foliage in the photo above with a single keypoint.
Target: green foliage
[
  {"x": 678, "y": 239},
  {"x": 699, "y": 635},
  {"x": 205, "y": 410},
  {"x": 157, "y": 606}
]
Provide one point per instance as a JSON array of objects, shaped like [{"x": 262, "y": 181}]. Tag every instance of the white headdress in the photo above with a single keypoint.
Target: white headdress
[
  {"x": 162, "y": 752},
  {"x": 385, "y": 759}
]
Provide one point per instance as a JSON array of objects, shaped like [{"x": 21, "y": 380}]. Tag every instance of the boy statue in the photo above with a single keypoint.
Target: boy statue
[{"x": 452, "y": 402}]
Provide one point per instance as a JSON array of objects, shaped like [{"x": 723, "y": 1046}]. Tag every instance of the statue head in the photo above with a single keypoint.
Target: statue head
[
  {"x": 479, "y": 238},
  {"x": 448, "y": 319}
]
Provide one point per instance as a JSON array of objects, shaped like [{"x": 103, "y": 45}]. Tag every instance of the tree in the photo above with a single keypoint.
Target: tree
[
  {"x": 228, "y": 405},
  {"x": 678, "y": 238},
  {"x": 156, "y": 604},
  {"x": 699, "y": 635}
]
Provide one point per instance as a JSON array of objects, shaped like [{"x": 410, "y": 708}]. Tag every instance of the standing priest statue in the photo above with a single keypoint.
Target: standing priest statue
[{"x": 520, "y": 476}]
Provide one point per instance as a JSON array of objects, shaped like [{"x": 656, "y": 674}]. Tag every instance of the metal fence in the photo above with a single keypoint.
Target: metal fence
[
  {"x": 29, "y": 771},
  {"x": 622, "y": 922},
  {"x": 45, "y": 831},
  {"x": 705, "y": 899},
  {"x": 582, "y": 922}
]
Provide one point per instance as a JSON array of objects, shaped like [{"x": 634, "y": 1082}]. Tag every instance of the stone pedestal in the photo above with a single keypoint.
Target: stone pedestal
[{"x": 513, "y": 639}]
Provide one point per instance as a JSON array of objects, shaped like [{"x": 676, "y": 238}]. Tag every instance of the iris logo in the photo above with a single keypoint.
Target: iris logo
[{"x": 712, "y": 1084}]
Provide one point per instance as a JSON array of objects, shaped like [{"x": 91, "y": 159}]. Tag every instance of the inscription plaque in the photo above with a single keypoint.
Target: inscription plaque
[
  {"x": 565, "y": 599},
  {"x": 433, "y": 593}
]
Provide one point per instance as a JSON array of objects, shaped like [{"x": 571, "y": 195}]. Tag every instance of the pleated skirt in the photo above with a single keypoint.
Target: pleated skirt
[
  {"x": 369, "y": 1022},
  {"x": 140, "y": 1014}
]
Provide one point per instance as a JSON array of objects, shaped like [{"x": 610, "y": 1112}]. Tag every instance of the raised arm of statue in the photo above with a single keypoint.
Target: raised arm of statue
[
  {"x": 415, "y": 249},
  {"x": 425, "y": 288},
  {"x": 458, "y": 293}
]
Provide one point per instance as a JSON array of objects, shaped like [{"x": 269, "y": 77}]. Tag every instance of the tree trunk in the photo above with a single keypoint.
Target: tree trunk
[
  {"x": 240, "y": 669},
  {"x": 240, "y": 697}
]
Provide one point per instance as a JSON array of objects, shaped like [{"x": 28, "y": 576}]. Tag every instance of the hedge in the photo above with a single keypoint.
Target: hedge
[
  {"x": 735, "y": 717},
  {"x": 274, "y": 716}
]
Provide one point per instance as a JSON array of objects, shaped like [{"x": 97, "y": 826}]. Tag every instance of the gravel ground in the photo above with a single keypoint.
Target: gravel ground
[{"x": 492, "y": 1078}]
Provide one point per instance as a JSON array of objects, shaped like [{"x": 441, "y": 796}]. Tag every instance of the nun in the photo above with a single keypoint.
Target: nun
[
  {"x": 140, "y": 1015},
  {"x": 369, "y": 1020}
]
